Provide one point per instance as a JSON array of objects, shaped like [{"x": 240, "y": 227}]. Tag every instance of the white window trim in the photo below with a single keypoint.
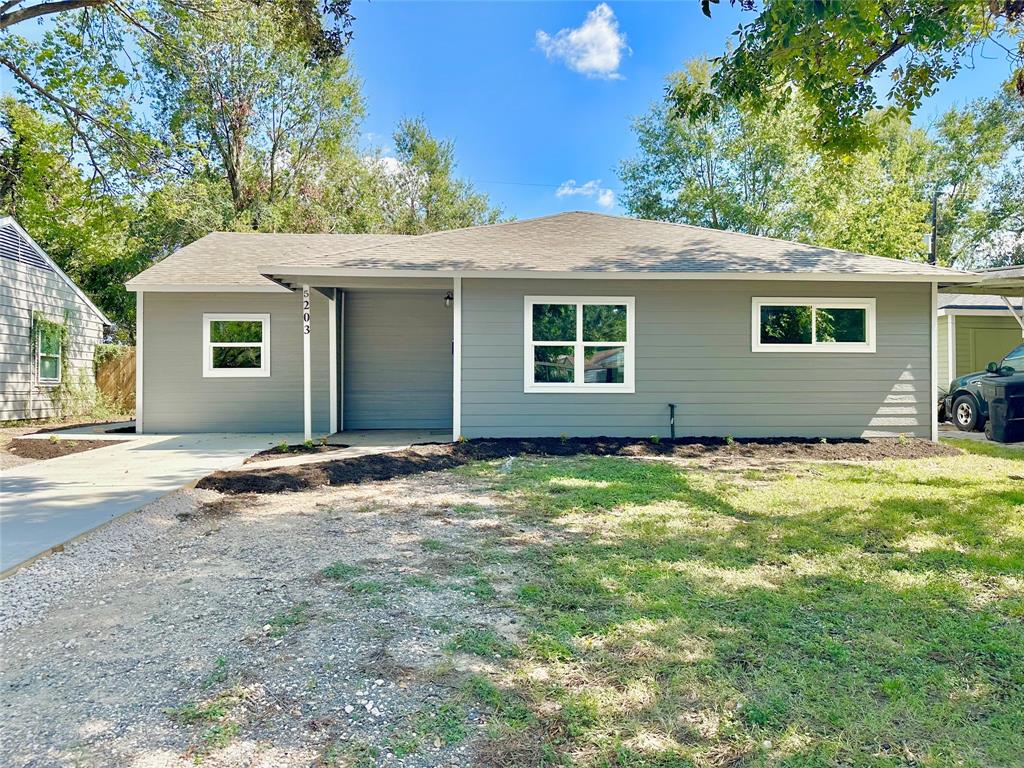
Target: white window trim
[
  {"x": 216, "y": 373},
  {"x": 40, "y": 379},
  {"x": 814, "y": 303},
  {"x": 628, "y": 385}
]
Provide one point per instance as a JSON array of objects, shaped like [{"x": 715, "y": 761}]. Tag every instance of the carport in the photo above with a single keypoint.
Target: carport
[{"x": 979, "y": 322}]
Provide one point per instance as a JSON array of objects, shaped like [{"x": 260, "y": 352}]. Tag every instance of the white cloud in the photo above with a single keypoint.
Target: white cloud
[
  {"x": 603, "y": 196},
  {"x": 593, "y": 49}
]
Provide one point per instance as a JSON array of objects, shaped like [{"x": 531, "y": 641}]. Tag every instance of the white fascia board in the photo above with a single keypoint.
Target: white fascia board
[
  {"x": 46, "y": 257},
  {"x": 944, "y": 311},
  {"x": 863, "y": 277},
  {"x": 270, "y": 287}
]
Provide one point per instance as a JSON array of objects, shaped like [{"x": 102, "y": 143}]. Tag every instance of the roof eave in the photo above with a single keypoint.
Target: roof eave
[{"x": 278, "y": 270}]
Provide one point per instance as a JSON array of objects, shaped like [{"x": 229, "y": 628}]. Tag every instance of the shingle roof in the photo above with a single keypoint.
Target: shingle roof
[
  {"x": 566, "y": 242},
  {"x": 231, "y": 258},
  {"x": 593, "y": 242},
  {"x": 974, "y": 301}
]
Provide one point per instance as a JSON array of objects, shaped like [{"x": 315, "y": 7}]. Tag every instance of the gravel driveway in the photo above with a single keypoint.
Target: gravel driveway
[{"x": 315, "y": 628}]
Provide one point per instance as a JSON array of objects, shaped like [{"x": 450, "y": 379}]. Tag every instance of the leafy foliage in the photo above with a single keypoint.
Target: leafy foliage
[
  {"x": 742, "y": 169},
  {"x": 835, "y": 52}
]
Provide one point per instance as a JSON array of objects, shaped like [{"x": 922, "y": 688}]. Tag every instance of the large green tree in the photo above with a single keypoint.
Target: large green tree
[
  {"x": 91, "y": 238},
  {"x": 421, "y": 191},
  {"x": 730, "y": 169},
  {"x": 850, "y": 57},
  {"x": 737, "y": 167},
  {"x": 240, "y": 100},
  {"x": 85, "y": 67}
]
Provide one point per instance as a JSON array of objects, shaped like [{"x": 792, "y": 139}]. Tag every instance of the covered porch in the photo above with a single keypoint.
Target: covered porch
[{"x": 392, "y": 347}]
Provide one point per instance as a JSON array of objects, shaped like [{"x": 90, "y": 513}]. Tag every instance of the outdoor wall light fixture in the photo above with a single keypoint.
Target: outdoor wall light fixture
[{"x": 449, "y": 299}]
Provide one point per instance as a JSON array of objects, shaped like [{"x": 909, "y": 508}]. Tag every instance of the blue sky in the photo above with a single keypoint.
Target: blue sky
[{"x": 524, "y": 121}]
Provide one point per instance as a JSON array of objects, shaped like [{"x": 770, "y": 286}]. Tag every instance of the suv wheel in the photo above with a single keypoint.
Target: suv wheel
[{"x": 965, "y": 413}]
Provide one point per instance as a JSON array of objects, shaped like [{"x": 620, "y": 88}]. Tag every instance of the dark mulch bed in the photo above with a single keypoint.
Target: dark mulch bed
[
  {"x": 427, "y": 458},
  {"x": 51, "y": 449},
  {"x": 300, "y": 449}
]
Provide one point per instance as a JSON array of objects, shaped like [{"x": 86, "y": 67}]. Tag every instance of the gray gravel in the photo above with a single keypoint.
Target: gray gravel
[{"x": 218, "y": 604}]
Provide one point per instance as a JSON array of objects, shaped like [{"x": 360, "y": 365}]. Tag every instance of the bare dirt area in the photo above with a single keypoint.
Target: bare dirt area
[
  {"x": 426, "y": 458},
  {"x": 39, "y": 450},
  {"x": 331, "y": 627},
  {"x": 299, "y": 449}
]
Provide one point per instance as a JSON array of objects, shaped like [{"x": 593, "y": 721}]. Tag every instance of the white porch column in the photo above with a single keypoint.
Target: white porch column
[
  {"x": 456, "y": 359},
  {"x": 934, "y": 375},
  {"x": 139, "y": 426},
  {"x": 332, "y": 334},
  {"x": 307, "y": 398}
]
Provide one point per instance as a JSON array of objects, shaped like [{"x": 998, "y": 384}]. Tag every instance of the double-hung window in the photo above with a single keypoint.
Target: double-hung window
[
  {"x": 812, "y": 325},
  {"x": 48, "y": 355},
  {"x": 575, "y": 344},
  {"x": 236, "y": 345}
]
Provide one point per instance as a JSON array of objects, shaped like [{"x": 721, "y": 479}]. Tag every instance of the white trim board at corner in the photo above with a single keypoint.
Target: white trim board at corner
[{"x": 857, "y": 277}]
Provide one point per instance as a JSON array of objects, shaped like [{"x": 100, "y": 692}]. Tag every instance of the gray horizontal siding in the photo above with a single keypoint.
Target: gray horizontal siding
[
  {"x": 692, "y": 348},
  {"x": 25, "y": 288},
  {"x": 176, "y": 396},
  {"x": 397, "y": 360}
]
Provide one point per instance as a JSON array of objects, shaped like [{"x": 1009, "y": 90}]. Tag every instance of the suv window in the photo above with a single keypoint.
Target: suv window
[{"x": 1015, "y": 359}]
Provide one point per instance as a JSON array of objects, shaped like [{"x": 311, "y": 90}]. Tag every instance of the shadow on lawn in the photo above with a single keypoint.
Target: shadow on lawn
[{"x": 847, "y": 616}]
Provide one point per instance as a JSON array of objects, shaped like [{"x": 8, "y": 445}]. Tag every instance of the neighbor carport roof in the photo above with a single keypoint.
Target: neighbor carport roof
[{"x": 565, "y": 243}]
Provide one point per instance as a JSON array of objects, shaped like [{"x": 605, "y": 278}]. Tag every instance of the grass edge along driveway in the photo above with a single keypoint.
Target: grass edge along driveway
[{"x": 801, "y": 615}]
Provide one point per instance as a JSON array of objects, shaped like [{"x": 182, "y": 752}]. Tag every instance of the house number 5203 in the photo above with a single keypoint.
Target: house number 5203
[{"x": 305, "y": 311}]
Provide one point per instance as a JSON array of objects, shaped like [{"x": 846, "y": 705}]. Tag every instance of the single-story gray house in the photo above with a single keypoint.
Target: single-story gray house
[
  {"x": 976, "y": 329},
  {"x": 578, "y": 324},
  {"x": 48, "y": 328}
]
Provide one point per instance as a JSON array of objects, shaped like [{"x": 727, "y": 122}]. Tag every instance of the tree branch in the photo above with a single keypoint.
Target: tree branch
[{"x": 45, "y": 9}]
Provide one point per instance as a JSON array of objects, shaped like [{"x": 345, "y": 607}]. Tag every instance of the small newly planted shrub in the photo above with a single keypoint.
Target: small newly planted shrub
[
  {"x": 282, "y": 447},
  {"x": 729, "y": 439},
  {"x": 655, "y": 439},
  {"x": 308, "y": 443}
]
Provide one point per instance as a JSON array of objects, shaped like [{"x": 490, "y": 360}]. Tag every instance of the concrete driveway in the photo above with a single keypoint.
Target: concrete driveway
[{"x": 48, "y": 503}]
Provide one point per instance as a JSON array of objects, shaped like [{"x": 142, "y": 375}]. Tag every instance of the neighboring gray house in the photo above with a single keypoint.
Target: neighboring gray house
[
  {"x": 34, "y": 359},
  {"x": 575, "y": 324}
]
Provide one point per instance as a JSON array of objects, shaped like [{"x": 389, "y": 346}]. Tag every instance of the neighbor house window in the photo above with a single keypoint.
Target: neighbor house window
[
  {"x": 49, "y": 352},
  {"x": 236, "y": 345},
  {"x": 813, "y": 325},
  {"x": 578, "y": 344}
]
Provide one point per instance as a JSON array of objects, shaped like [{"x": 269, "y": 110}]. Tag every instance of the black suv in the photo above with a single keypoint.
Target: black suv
[{"x": 964, "y": 405}]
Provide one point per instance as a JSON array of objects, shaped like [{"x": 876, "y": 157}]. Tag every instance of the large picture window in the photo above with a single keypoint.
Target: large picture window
[
  {"x": 49, "y": 352},
  {"x": 812, "y": 325},
  {"x": 576, "y": 344},
  {"x": 236, "y": 345}
]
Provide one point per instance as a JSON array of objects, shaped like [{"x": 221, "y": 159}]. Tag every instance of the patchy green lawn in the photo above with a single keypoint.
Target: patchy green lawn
[{"x": 783, "y": 615}]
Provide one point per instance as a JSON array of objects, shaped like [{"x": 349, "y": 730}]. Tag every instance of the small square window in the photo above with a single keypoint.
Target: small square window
[
  {"x": 236, "y": 345},
  {"x": 578, "y": 344}
]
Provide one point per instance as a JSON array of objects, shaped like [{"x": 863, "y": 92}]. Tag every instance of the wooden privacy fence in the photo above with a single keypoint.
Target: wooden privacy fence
[{"x": 115, "y": 378}]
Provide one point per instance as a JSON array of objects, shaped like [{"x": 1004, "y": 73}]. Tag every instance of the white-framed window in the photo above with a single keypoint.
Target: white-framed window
[
  {"x": 48, "y": 352},
  {"x": 236, "y": 344},
  {"x": 801, "y": 324},
  {"x": 578, "y": 343}
]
